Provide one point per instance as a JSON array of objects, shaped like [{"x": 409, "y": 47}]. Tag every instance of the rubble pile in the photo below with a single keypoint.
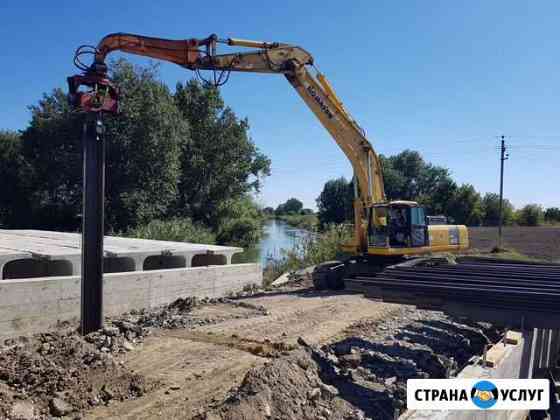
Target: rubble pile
[
  {"x": 178, "y": 314},
  {"x": 122, "y": 333},
  {"x": 362, "y": 376},
  {"x": 59, "y": 374}
]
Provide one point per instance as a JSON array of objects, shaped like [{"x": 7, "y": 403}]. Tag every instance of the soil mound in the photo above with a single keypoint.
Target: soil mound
[{"x": 58, "y": 374}]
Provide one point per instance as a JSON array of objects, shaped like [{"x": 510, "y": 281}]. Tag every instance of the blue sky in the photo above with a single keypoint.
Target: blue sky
[{"x": 445, "y": 78}]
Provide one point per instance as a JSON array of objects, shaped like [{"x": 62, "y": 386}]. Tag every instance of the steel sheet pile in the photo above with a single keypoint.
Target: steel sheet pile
[{"x": 520, "y": 295}]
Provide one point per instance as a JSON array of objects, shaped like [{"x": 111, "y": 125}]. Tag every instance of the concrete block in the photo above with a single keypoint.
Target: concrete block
[
  {"x": 513, "y": 337},
  {"x": 495, "y": 355}
]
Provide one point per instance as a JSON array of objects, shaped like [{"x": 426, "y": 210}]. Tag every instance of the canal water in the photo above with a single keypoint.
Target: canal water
[{"x": 277, "y": 236}]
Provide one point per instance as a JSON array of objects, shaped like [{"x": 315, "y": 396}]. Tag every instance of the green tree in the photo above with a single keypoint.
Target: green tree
[
  {"x": 491, "y": 210},
  {"x": 440, "y": 197},
  {"x": 408, "y": 177},
  {"x": 530, "y": 215},
  {"x": 334, "y": 204},
  {"x": 394, "y": 181},
  {"x": 175, "y": 158},
  {"x": 410, "y": 165},
  {"x": 221, "y": 162},
  {"x": 240, "y": 221},
  {"x": 52, "y": 149},
  {"x": 14, "y": 174},
  {"x": 552, "y": 215},
  {"x": 145, "y": 143},
  {"x": 143, "y": 148},
  {"x": 465, "y": 206},
  {"x": 269, "y": 211},
  {"x": 174, "y": 229},
  {"x": 291, "y": 206}
]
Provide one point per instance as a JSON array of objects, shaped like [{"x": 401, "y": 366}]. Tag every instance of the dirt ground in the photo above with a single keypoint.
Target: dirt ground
[
  {"x": 361, "y": 376},
  {"x": 290, "y": 353},
  {"x": 198, "y": 367},
  {"x": 541, "y": 242}
]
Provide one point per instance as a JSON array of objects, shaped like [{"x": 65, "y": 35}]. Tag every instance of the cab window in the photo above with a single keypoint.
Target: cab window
[{"x": 417, "y": 216}]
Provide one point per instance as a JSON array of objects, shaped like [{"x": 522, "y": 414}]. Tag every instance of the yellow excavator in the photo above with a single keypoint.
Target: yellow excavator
[{"x": 385, "y": 231}]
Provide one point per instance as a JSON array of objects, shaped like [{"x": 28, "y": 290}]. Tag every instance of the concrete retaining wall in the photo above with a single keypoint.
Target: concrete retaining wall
[{"x": 31, "y": 305}]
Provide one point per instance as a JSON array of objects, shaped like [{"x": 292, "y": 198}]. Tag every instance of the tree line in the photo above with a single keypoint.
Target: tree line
[
  {"x": 408, "y": 176},
  {"x": 181, "y": 166},
  {"x": 182, "y": 157},
  {"x": 293, "y": 213}
]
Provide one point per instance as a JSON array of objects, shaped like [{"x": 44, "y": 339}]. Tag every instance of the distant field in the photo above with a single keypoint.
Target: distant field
[{"x": 537, "y": 242}]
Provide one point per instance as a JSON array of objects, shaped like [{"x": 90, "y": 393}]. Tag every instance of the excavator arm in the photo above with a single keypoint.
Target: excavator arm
[{"x": 293, "y": 62}]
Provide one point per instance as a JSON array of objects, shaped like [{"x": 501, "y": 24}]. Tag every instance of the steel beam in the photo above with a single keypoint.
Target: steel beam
[{"x": 92, "y": 224}]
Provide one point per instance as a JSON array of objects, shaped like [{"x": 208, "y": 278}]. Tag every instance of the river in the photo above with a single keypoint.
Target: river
[{"x": 277, "y": 236}]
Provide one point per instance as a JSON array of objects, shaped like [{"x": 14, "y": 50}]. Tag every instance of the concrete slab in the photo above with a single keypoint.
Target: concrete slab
[{"x": 125, "y": 254}]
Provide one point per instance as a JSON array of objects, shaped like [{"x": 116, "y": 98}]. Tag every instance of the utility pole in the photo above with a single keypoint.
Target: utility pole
[{"x": 503, "y": 157}]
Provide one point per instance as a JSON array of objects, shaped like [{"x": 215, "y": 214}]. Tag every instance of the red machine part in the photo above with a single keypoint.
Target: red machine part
[{"x": 102, "y": 95}]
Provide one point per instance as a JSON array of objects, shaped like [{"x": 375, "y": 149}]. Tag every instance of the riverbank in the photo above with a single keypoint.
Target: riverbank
[
  {"x": 278, "y": 237},
  {"x": 284, "y": 248},
  {"x": 312, "y": 250},
  {"x": 308, "y": 222}
]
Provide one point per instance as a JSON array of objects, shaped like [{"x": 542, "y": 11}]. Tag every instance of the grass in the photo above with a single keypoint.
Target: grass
[
  {"x": 510, "y": 254},
  {"x": 505, "y": 254},
  {"x": 176, "y": 229}
]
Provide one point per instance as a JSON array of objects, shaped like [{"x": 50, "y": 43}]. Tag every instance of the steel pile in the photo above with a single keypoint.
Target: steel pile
[{"x": 513, "y": 294}]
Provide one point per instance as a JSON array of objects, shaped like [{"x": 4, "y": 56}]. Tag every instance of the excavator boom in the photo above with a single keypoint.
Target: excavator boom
[
  {"x": 295, "y": 63},
  {"x": 291, "y": 61}
]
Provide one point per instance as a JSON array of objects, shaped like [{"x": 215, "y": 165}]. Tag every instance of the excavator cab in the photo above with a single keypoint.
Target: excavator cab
[{"x": 398, "y": 224}]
